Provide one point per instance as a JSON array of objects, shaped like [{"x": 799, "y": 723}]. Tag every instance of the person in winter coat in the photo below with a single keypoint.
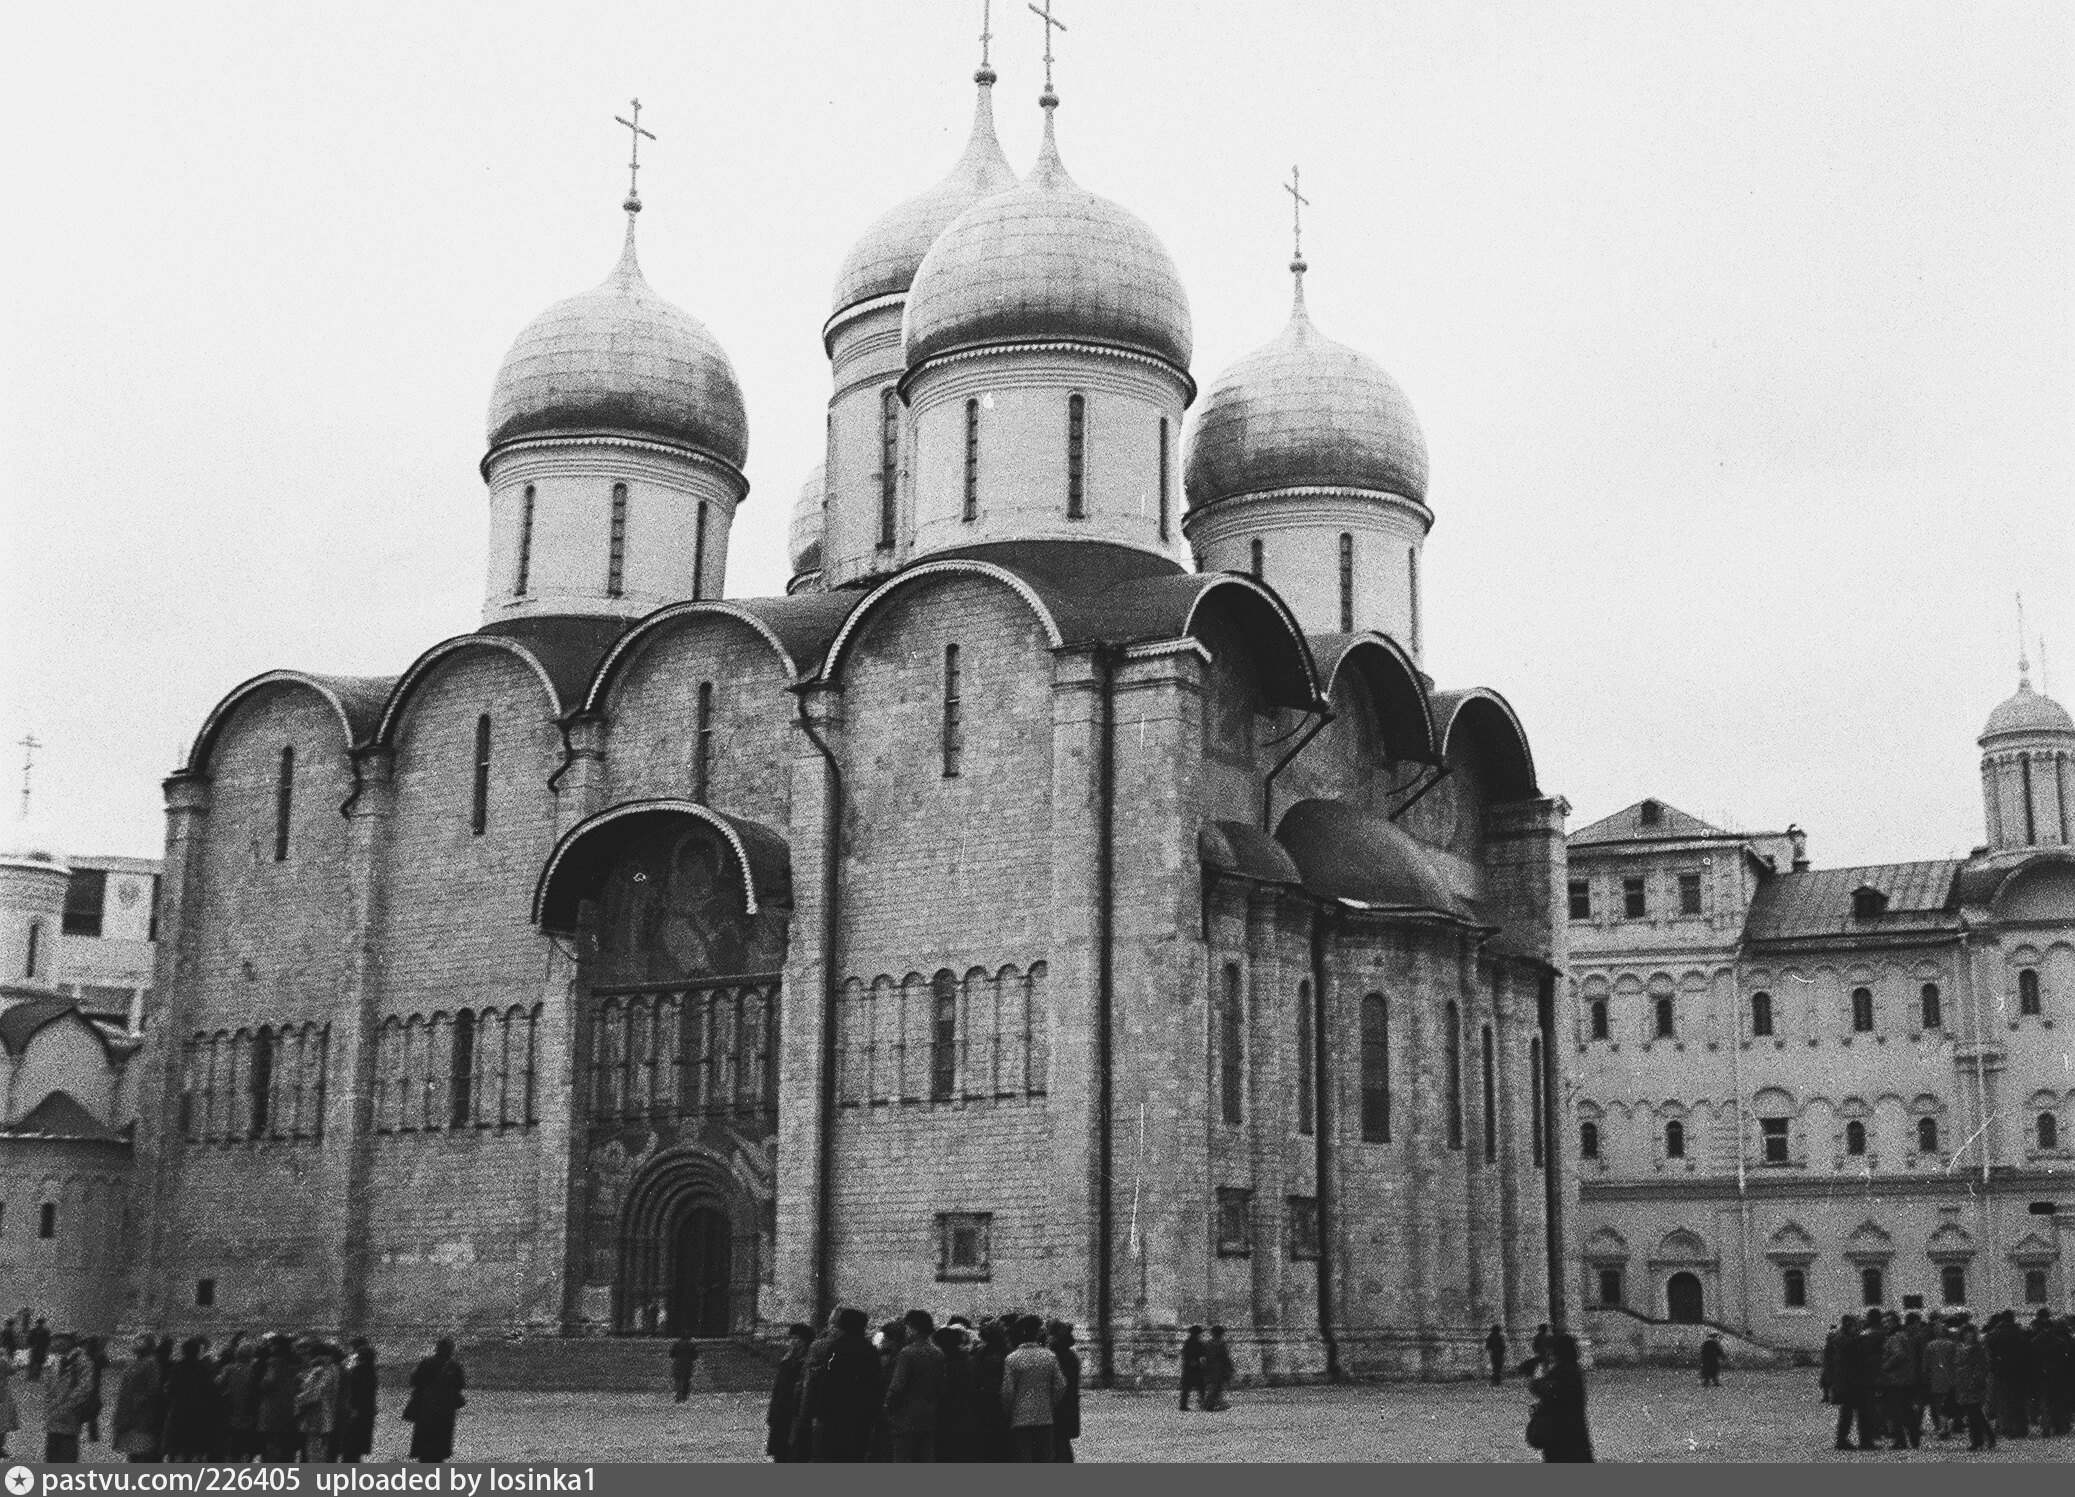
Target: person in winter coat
[
  {"x": 1559, "y": 1390},
  {"x": 784, "y": 1409},
  {"x": 1192, "y": 1367},
  {"x": 194, "y": 1410},
  {"x": 1840, "y": 1380},
  {"x": 991, "y": 1440},
  {"x": 846, "y": 1397},
  {"x": 1869, "y": 1350},
  {"x": 280, "y": 1435},
  {"x": 684, "y": 1356},
  {"x": 892, "y": 1337},
  {"x": 71, "y": 1384},
  {"x": 1938, "y": 1379},
  {"x": 1711, "y": 1362},
  {"x": 2009, "y": 1375},
  {"x": 10, "y": 1415},
  {"x": 436, "y": 1400},
  {"x": 140, "y": 1405},
  {"x": 1898, "y": 1375},
  {"x": 915, "y": 1392},
  {"x": 804, "y": 1443},
  {"x": 237, "y": 1388},
  {"x": 1833, "y": 1359},
  {"x": 1031, "y": 1387},
  {"x": 317, "y": 1402},
  {"x": 1066, "y": 1421},
  {"x": 1971, "y": 1388},
  {"x": 1217, "y": 1371},
  {"x": 956, "y": 1433},
  {"x": 359, "y": 1388},
  {"x": 1495, "y": 1350}
]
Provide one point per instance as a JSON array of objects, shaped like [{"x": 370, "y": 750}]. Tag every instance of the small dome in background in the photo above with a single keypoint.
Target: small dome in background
[
  {"x": 803, "y": 543},
  {"x": 27, "y": 839},
  {"x": 1048, "y": 260},
  {"x": 1304, "y": 411},
  {"x": 620, "y": 358},
  {"x": 2028, "y": 712},
  {"x": 885, "y": 258}
]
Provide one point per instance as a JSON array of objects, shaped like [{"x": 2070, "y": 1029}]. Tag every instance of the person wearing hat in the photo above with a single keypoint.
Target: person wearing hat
[
  {"x": 1031, "y": 1387},
  {"x": 65, "y": 1399},
  {"x": 140, "y": 1404},
  {"x": 1066, "y": 1422}
]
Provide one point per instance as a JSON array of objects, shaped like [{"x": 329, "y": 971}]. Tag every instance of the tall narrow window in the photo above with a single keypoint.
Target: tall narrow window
[
  {"x": 1952, "y": 1284},
  {"x": 2024, "y": 769},
  {"x": 86, "y": 892},
  {"x": 699, "y": 552},
  {"x": 1862, "y": 1010},
  {"x": 1588, "y": 1140},
  {"x": 1581, "y": 899},
  {"x": 954, "y": 722},
  {"x": 1412, "y": 575},
  {"x": 1634, "y": 903},
  {"x": 1855, "y": 1137},
  {"x": 943, "y": 1037},
  {"x": 1076, "y": 457},
  {"x": 284, "y": 804},
  {"x": 702, "y": 745},
  {"x": 1599, "y": 1018},
  {"x": 1453, "y": 1041},
  {"x": 479, "y": 808},
  {"x": 1231, "y": 1038},
  {"x": 972, "y": 461},
  {"x": 1689, "y": 894},
  {"x": 1537, "y": 1147},
  {"x": 1794, "y": 1289},
  {"x": 1376, "y": 1070},
  {"x": 1166, "y": 505},
  {"x": 1675, "y": 1139},
  {"x": 1934, "y": 1009},
  {"x": 1873, "y": 1288},
  {"x": 1665, "y": 1026},
  {"x": 616, "y": 563},
  {"x": 2028, "y": 991},
  {"x": 1491, "y": 1100},
  {"x": 1761, "y": 1015},
  {"x": 35, "y": 948},
  {"x": 47, "y": 1220},
  {"x": 889, "y": 464},
  {"x": 1347, "y": 583},
  {"x": 461, "y": 1072},
  {"x": 259, "y": 1081},
  {"x": 525, "y": 570},
  {"x": 1259, "y": 557},
  {"x": 1307, "y": 1059},
  {"x": 2048, "y": 1129},
  {"x": 1927, "y": 1135},
  {"x": 1773, "y": 1134},
  {"x": 2035, "y": 1285}
]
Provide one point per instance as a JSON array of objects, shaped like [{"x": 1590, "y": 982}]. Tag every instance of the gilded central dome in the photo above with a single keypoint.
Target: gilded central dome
[
  {"x": 883, "y": 262},
  {"x": 620, "y": 358},
  {"x": 2028, "y": 712},
  {"x": 1300, "y": 411},
  {"x": 1048, "y": 260}
]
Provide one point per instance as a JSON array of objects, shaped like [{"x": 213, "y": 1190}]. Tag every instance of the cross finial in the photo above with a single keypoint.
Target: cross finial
[
  {"x": 1298, "y": 203},
  {"x": 29, "y": 745},
  {"x": 635, "y": 132},
  {"x": 1052, "y": 23},
  {"x": 2024, "y": 666},
  {"x": 986, "y": 37}
]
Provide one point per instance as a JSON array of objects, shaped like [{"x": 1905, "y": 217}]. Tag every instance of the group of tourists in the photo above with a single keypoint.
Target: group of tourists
[
  {"x": 1006, "y": 1389},
  {"x": 2007, "y": 1379},
  {"x": 273, "y": 1398}
]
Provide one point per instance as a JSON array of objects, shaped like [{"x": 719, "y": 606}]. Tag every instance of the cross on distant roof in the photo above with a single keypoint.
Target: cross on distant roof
[
  {"x": 29, "y": 745},
  {"x": 1298, "y": 203},
  {"x": 634, "y": 161},
  {"x": 986, "y": 34},
  {"x": 1051, "y": 24}
]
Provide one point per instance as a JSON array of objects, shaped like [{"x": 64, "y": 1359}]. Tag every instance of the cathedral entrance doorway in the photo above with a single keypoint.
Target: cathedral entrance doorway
[
  {"x": 1682, "y": 1298},
  {"x": 687, "y": 1251},
  {"x": 702, "y": 1250}
]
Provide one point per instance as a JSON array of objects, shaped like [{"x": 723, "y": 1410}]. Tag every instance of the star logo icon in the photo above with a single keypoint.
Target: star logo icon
[{"x": 20, "y": 1481}]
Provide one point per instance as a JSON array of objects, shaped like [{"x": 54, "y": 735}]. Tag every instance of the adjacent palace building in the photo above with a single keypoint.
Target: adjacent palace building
[
  {"x": 1799, "y": 1091},
  {"x": 1072, "y": 895}
]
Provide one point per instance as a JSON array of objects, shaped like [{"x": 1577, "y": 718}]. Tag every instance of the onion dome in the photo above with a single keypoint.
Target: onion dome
[
  {"x": 619, "y": 358},
  {"x": 884, "y": 261},
  {"x": 1304, "y": 411},
  {"x": 2028, "y": 712},
  {"x": 803, "y": 544},
  {"x": 1048, "y": 260}
]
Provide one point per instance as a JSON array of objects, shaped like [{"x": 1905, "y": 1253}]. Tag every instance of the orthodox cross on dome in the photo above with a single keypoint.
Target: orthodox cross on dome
[
  {"x": 1052, "y": 23},
  {"x": 2024, "y": 666},
  {"x": 635, "y": 132},
  {"x": 1298, "y": 203},
  {"x": 986, "y": 34},
  {"x": 29, "y": 745}
]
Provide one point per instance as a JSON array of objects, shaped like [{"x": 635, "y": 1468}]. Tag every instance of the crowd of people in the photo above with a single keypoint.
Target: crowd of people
[
  {"x": 273, "y": 1398},
  {"x": 1006, "y": 1389},
  {"x": 1890, "y": 1374}
]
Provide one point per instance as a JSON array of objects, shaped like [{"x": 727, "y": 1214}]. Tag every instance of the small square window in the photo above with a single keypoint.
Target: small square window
[
  {"x": 965, "y": 1249},
  {"x": 1633, "y": 903},
  {"x": 1235, "y": 1222},
  {"x": 47, "y": 1223},
  {"x": 205, "y": 1293},
  {"x": 1689, "y": 894},
  {"x": 1304, "y": 1244},
  {"x": 1581, "y": 899}
]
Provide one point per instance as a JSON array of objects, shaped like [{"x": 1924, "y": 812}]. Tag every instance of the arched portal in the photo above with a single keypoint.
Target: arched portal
[
  {"x": 687, "y": 1260},
  {"x": 1682, "y": 1299}
]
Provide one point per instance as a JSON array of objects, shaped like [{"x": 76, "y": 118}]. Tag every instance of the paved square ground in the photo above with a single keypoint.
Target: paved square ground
[{"x": 1637, "y": 1415}]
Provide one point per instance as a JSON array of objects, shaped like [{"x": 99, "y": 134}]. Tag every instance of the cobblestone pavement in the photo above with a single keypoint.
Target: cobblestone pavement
[{"x": 1637, "y": 1415}]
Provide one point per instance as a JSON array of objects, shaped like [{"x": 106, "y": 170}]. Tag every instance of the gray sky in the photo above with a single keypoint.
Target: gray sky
[{"x": 1740, "y": 334}]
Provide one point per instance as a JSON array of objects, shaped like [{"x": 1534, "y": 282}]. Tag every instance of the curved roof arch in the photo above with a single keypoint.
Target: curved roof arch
[
  {"x": 797, "y": 629},
  {"x": 355, "y": 700},
  {"x": 1403, "y": 711},
  {"x": 423, "y": 667},
  {"x": 927, "y": 571},
  {"x": 763, "y": 860},
  {"x": 1482, "y": 714},
  {"x": 1276, "y": 631}
]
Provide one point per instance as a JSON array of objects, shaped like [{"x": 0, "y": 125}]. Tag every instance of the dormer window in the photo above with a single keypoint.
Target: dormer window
[
  {"x": 1653, "y": 813},
  {"x": 1868, "y": 903}
]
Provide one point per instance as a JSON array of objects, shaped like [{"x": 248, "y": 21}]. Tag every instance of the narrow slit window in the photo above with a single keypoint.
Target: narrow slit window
[
  {"x": 1166, "y": 523},
  {"x": 702, "y": 751},
  {"x": 1538, "y": 1148},
  {"x": 1347, "y": 583},
  {"x": 35, "y": 948},
  {"x": 2028, "y": 991},
  {"x": 1761, "y": 1015},
  {"x": 1076, "y": 457},
  {"x": 699, "y": 552},
  {"x": 1952, "y": 1284},
  {"x": 1588, "y": 1140},
  {"x": 972, "y": 461},
  {"x": 1491, "y": 1100},
  {"x": 461, "y": 1073},
  {"x": 954, "y": 716},
  {"x": 1453, "y": 1040},
  {"x": 1307, "y": 1059},
  {"x": 1927, "y": 1135},
  {"x": 1666, "y": 1027},
  {"x": 1862, "y": 1010},
  {"x": 1376, "y": 1070},
  {"x": 1855, "y": 1137},
  {"x": 943, "y": 1039},
  {"x": 525, "y": 571},
  {"x": 889, "y": 464},
  {"x": 616, "y": 565},
  {"x": 1259, "y": 558},
  {"x": 2048, "y": 1130},
  {"x": 1231, "y": 1037},
  {"x": 284, "y": 804},
  {"x": 1675, "y": 1139},
  {"x": 1412, "y": 578},
  {"x": 260, "y": 1082},
  {"x": 479, "y": 808},
  {"x": 1933, "y": 1006},
  {"x": 1599, "y": 1018},
  {"x": 47, "y": 1220}
]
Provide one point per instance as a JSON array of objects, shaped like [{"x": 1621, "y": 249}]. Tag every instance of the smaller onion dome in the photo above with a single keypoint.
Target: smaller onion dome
[
  {"x": 1048, "y": 260},
  {"x": 1304, "y": 411},
  {"x": 620, "y": 358},
  {"x": 2028, "y": 712},
  {"x": 884, "y": 260},
  {"x": 803, "y": 544}
]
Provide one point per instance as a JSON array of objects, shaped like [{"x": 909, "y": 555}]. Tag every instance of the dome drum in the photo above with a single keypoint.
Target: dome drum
[{"x": 1299, "y": 533}]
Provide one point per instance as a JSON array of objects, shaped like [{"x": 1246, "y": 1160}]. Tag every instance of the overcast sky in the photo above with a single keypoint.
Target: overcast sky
[{"x": 1740, "y": 334}]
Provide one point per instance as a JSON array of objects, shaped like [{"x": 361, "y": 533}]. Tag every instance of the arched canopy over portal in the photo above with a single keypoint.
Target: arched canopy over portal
[{"x": 675, "y": 855}]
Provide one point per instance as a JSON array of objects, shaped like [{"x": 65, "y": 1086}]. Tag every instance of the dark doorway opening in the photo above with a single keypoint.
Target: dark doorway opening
[
  {"x": 702, "y": 1248},
  {"x": 1682, "y": 1298}
]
